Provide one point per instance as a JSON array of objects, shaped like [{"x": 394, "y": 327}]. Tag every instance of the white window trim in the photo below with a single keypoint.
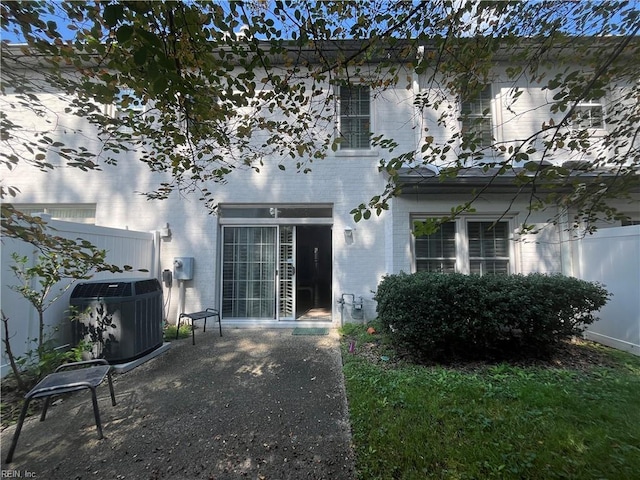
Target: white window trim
[
  {"x": 353, "y": 152},
  {"x": 463, "y": 263}
]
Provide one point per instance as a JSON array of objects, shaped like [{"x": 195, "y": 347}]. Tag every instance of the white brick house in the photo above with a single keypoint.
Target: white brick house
[{"x": 284, "y": 248}]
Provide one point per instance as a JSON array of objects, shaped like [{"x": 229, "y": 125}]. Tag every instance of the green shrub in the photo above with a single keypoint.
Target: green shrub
[
  {"x": 170, "y": 332},
  {"x": 451, "y": 316}
]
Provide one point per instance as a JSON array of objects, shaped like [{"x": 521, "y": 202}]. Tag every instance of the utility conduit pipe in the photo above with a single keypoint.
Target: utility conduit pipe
[{"x": 357, "y": 306}]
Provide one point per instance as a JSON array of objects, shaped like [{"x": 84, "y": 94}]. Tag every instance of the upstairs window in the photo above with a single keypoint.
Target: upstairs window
[
  {"x": 355, "y": 118},
  {"x": 128, "y": 104},
  {"x": 476, "y": 118},
  {"x": 588, "y": 115}
]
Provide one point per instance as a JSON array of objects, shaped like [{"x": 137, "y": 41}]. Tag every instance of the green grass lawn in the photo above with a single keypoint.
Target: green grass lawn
[{"x": 493, "y": 421}]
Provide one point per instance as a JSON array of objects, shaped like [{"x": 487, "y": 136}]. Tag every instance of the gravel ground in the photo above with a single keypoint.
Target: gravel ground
[{"x": 261, "y": 404}]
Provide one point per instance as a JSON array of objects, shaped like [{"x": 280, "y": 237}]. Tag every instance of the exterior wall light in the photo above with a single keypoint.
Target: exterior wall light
[
  {"x": 165, "y": 232},
  {"x": 348, "y": 235}
]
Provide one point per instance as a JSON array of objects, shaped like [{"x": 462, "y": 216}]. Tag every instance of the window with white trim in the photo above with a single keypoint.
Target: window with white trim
[
  {"x": 465, "y": 246},
  {"x": 437, "y": 252},
  {"x": 476, "y": 117},
  {"x": 128, "y": 103},
  {"x": 488, "y": 244},
  {"x": 355, "y": 118},
  {"x": 588, "y": 115}
]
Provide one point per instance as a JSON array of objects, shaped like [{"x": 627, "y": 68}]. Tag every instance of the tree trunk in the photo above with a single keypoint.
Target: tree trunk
[
  {"x": 12, "y": 360},
  {"x": 40, "y": 330}
]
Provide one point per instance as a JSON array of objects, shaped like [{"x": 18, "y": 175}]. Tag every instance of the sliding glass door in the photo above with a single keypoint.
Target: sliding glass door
[
  {"x": 249, "y": 272},
  {"x": 276, "y": 272}
]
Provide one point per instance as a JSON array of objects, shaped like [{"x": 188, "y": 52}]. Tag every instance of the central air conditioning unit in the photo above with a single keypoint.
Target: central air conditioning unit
[{"x": 123, "y": 319}]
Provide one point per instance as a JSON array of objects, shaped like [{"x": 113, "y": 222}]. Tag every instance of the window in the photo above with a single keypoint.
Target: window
[
  {"x": 465, "y": 246},
  {"x": 630, "y": 222},
  {"x": 488, "y": 247},
  {"x": 588, "y": 115},
  {"x": 476, "y": 118},
  {"x": 128, "y": 103},
  {"x": 355, "y": 118},
  {"x": 270, "y": 213},
  {"x": 80, "y": 213},
  {"x": 437, "y": 252}
]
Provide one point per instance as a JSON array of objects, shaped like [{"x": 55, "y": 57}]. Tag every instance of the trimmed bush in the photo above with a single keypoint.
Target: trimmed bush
[{"x": 454, "y": 316}]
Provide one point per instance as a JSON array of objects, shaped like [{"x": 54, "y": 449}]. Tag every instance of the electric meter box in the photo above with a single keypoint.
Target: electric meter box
[{"x": 183, "y": 268}]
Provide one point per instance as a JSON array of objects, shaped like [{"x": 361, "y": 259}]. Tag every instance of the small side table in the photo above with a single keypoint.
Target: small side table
[{"x": 209, "y": 312}]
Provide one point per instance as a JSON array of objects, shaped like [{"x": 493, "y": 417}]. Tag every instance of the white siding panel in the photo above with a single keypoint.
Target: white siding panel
[{"x": 540, "y": 252}]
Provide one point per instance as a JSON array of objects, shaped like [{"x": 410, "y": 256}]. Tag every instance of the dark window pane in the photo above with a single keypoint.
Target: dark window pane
[
  {"x": 439, "y": 266},
  {"x": 476, "y": 117},
  {"x": 483, "y": 267},
  {"x": 488, "y": 247},
  {"x": 437, "y": 252},
  {"x": 305, "y": 212},
  {"x": 355, "y": 122}
]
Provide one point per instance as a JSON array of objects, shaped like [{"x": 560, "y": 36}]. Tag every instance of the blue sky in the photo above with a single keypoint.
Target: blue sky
[{"x": 62, "y": 21}]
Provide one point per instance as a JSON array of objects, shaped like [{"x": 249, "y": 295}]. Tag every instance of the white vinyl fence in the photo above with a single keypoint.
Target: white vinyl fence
[
  {"x": 612, "y": 257},
  {"x": 124, "y": 247}
]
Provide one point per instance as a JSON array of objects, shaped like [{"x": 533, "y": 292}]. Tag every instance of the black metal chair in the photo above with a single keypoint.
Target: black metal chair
[{"x": 67, "y": 378}]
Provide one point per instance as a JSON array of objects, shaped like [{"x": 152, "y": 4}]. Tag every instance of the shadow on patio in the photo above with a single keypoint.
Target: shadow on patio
[{"x": 254, "y": 403}]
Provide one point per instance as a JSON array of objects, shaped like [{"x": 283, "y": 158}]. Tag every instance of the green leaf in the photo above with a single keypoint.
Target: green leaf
[
  {"x": 532, "y": 166},
  {"x": 112, "y": 14},
  {"x": 140, "y": 56},
  {"x": 160, "y": 85},
  {"x": 124, "y": 33}
]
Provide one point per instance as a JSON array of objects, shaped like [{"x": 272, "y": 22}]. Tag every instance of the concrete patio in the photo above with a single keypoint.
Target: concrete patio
[{"x": 261, "y": 404}]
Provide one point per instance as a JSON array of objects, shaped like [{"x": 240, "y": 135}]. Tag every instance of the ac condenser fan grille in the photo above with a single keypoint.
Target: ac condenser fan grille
[{"x": 106, "y": 289}]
